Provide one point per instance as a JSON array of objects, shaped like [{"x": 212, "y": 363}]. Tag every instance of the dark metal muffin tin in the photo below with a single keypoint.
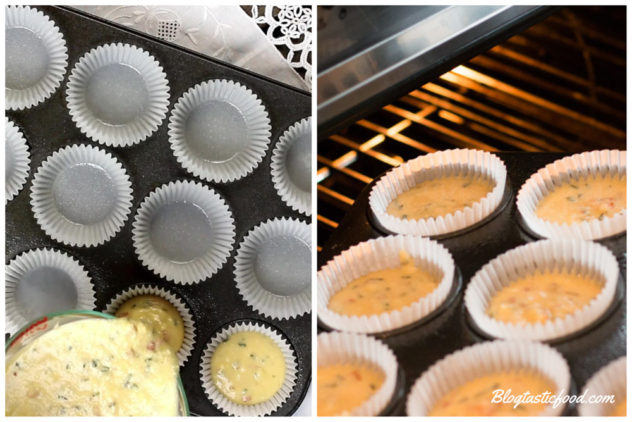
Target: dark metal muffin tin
[
  {"x": 114, "y": 266},
  {"x": 420, "y": 346}
]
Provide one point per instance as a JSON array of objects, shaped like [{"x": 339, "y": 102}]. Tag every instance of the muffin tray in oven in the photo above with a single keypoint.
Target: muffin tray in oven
[
  {"x": 449, "y": 329},
  {"x": 114, "y": 265}
]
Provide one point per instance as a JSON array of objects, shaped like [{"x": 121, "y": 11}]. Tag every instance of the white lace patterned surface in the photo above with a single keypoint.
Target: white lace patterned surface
[
  {"x": 224, "y": 32},
  {"x": 291, "y": 28}
]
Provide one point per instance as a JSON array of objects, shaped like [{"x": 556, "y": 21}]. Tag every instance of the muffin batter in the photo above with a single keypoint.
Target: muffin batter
[
  {"x": 248, "y": 368},
  {"x": 384, "y": 290},
  {"x": 584, "y": 199},
  {"x": 341, "y": 388},
  {"x": 93, "y": 367},
  {"x": 474, "y": 398},
  {"x": 439, "y": 197},
  {"x": 541, "y": 297},
  {"x": 620, "y": 408},
  {"x": 162, "y": 318}
]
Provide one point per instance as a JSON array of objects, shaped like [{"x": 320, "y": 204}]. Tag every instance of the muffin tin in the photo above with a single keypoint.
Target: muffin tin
[
  {"x": 114, "y": 266},
  {"x": 451, "y": 329}
]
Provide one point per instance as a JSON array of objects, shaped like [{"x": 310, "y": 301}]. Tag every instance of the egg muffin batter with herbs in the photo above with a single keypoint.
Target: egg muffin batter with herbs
[
  {"x": 248, "y": 368},
  {"x": 93, "y": 367},
  {"x": 385, "y": 290},
  {"x": 343, "y": 387},
  {"x": 474, "y": 398},
  {"x": 162, "y": 318},
  {"x": 543, "y": 296},
  {"x": 439, "y": 197},
  {"x": 584, "y": 199}
]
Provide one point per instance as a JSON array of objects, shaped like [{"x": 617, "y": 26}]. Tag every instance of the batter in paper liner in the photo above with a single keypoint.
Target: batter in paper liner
[
  {"x": 248, "y": 368},
  {"x": 441, "y": 196},
  {"x": 543, "y": 296},
  {"x": 385, "y": 290},
  {"x": 474, "y": 398},
  {"x": 584, "y": 199},
  {"x": 343, "y": 387}
]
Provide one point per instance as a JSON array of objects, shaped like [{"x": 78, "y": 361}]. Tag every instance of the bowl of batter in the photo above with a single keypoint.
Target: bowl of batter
[{"x": 86, "y": 363}]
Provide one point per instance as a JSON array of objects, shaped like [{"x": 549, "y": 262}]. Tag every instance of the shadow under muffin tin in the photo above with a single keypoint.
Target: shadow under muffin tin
[
  {"x": 114, "y": 266},
  {"x": 419, "y": 345}
]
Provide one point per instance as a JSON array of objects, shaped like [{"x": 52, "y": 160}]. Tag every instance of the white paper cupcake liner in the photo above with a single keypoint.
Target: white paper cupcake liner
[
  {"x": 348, "y": 348},
  {"x": 183, "y": 309},
  {"x": 212, "y": 117},
  {"x": 273, "y": 268},
  {"x": 292, "y": 168},
  {"x": 119, "y": 112},
  {"x": 576, "y": 256},
  {"x": 377, "y": 254},
  {"x": 173, "y": 225},
  {"x": 81, "y": 196},
  {"x": 609, "y": 380},
  {"x": 49, "y": 288},
  {"x": 486, "y": 358},
  {"x": 16, "y": 160},
  {"x": 557, "y": 173},
  {"x": 38, "y": 77},
  {"x": 411, "y": 173},
  {"x": 261, "y": 409}
]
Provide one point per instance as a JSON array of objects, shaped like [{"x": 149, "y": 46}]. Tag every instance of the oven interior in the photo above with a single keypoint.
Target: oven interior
[{"x": 557, "y": 86}]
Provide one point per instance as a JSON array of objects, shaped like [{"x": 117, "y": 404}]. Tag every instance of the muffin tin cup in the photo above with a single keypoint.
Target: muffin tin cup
[
  {"x": 183, "y": 309},
  {"x": 261, "y": 409},
  {"x": 54, "y": 272},
  {"x": 81, "y": 196},
  {"x": 267, "y": 282},
  {"x": 28, "y": 93},
  {"x": 17, "y": 160},
  {"x": 350, "y": 348},
  {"x": 230, "y": 112},
  {"x": 571, "y": 255},
  {"x": 485, "y": 358},
  {"x": 609, "y": 380},
  {"x": 121, "y": 112},
  {"x": 291, "y": 166},
  {"x": 557, "y": 173},
  {"x": 172, "y": 226},
  {"x": 400, "y": 179},
  {"x": 382, "y": 253}
]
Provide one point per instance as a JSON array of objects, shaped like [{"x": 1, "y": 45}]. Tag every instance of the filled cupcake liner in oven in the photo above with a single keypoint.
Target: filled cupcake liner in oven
[
  {"x": 260, "y": 409},
  {"x": 36, "y": 57},
  {"x": 188, "y": 343},
  {"x": 337, "y": 348},
  {"x": 472, "y": 163},
  {"x": 374, "y": 255},
  {"x": 81, "y": 196},
  {"x": 571, "y": 255},
  {"x": 609, "y": 380},
  {"x": 219, "y": 130},
  {"x": 184, "y": 232},
  {"x": 292, "y": 168},
  {"x": 545, "y": 180},
  {"x": 42, "y": 281},
  {"x": 483, "y": 359},
  {"x": 17, "y": 160},
  {"x": 118, "y": 94},
  {"x": 273, "y": 268}
]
